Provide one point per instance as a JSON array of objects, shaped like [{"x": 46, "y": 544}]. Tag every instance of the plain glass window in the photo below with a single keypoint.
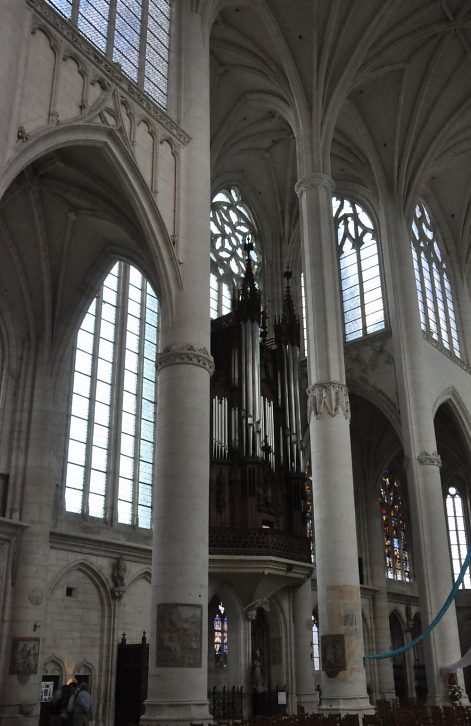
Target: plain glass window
[{"x": 113, "y": 389}]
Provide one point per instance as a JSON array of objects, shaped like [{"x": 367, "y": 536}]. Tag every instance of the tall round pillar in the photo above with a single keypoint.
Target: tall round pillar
[
  {"x": 305, "y": 692},
  {"x": 382, "y": 634},
  {"x": 431, "y": 557},
  {"x": 177, "y": 683},
  {"x": 340, "y": 618},
  {"x": 25, "y": 622}
]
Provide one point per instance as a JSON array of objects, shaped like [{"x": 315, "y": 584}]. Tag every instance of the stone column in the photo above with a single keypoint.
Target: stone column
[
  {"x": 305, "y": 691},
  {"x": 177, "y": 686},
  {"x": 340, "y": 620},
  {"x": 21, "y": 650},
  {"x": 14, "y": 14},
  {"x": 431, "y": 558},
  {"x": 382, "y": 633}
]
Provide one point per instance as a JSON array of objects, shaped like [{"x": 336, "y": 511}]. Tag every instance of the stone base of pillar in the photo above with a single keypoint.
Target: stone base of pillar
[
  {"x": 176, "y": 713},
  {"x": 307, "y": 703},
  {"x": 388, "y": 696},
  {"x": 346, "y": 705}
]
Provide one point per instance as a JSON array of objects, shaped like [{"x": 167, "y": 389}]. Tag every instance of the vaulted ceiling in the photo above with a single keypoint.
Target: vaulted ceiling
[{"x": 376, "y": 93}]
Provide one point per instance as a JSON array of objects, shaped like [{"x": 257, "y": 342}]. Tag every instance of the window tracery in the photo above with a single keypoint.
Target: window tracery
[
  {"x": 457, "y": 534},
  {"x": 435, "y": 297},
  {"x": 110, "y": 476},
  {"x": 360, "y": 277},
  {"x": 394, "y": 529},
  {"x": 232, "y": 227}
]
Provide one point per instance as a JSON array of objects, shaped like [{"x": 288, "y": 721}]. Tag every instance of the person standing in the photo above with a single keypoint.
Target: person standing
[{"x": 82, "y": 706}]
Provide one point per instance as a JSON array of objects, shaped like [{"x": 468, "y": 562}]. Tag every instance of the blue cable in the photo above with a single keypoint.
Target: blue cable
[{"x": 435, "y": 621}]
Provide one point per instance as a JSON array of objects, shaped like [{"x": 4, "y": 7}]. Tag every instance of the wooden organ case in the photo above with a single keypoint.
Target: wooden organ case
[{"x": 259, "y": 501}]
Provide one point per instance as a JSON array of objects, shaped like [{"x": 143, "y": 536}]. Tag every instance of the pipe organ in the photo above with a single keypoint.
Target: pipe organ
[{"x": 257, "y": 478}]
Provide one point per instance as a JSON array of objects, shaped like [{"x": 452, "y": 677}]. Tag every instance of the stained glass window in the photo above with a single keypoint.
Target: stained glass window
[
  {"x": 435, "y": 297},
  {"x": 316, "y": 658},
  {"x": 394, "y": 529},
  {"x": 457, "y": 534},
  {"x": 133, "y": 33},
  {"x": 360, "y": 278},
  {"x": 110, "y": 476},
  {"x": 220, "y": 637},
  {"x": 232, "y": 226}
]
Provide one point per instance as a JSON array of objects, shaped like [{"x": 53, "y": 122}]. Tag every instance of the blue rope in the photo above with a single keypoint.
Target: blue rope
[{"x": 435, "y": 621}]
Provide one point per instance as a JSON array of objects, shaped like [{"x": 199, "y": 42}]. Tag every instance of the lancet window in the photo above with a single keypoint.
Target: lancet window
[
  {"x": 232, "y": 227},
  {"x": 316, "y": 658},
  {"x": 133, "y": 33},
  {"x": 457, "y": 534},
  {"x": 436, "y": 307},
  {"x": 110, "y": 450},
  {"x": 394, "y": 529},
  {"x": 220, "y": 636},
  {"x": 360, "y": 276}
]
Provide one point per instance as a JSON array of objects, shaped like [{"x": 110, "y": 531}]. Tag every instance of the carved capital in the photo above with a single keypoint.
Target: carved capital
[
  {"x": 328, "y": 399},
  {"x": 188, "y": 354},
  {"x": 433, "y": 459},
  {"x": 313, "y": 180}
]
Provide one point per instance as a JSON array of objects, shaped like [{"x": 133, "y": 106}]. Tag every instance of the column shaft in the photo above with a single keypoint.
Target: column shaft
[
  {"x": 417, "y": 398},
  {"x": 177, "y": 686},
  {"x": 340, "y": 619},
  {"x": 305, "y": 693}
]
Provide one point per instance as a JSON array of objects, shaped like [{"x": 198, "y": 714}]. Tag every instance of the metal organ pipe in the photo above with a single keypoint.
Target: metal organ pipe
[
  {"x": 249, "y": 385},
  {"x": 243, "y": 410},
  {"x": 256, "y": 386},
  {"x": 297, "y": 406}
]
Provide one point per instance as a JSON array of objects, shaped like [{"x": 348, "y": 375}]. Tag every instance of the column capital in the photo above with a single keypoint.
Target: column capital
[
  {"x": 188, "y": 354},
  {"x": 427, "y": 459},
  {"x": 313, "y": 180},
  {"x": 328, "y": 398}
]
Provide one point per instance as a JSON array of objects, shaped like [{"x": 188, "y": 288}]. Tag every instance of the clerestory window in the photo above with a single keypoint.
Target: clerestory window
[
  {"x": 393, "y": 517},
  {"x": 232, "y": 228},
  {"x": 435, "y": 297},
  {"x": 133, "y": 33},
  {"x": 360, "y": 276},
  {"x": 457, "y": 534},
  {"x": 110, "y": 450}
]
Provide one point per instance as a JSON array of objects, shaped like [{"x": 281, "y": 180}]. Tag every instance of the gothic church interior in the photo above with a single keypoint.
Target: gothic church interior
[{"x": 235, "y": 404}]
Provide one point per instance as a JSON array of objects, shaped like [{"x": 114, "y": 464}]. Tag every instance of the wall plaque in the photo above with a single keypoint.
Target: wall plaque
[
  {"x": 333, "y": 655},
  {"x": 179, "y": 636},
  {"x": 24, "y": 656}
]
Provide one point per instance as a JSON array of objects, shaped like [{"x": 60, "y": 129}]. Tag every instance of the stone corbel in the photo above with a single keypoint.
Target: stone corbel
[
  {"x": 328, "y": 399},
  {"x": 251, "y": 608},
  {"x": 433, "y": 459},
  {"x": 187, "y": 354}
]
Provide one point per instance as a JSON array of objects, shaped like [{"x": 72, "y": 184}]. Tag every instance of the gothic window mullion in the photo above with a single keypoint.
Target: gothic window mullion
[
  {"x": 143, "y": 44},
  {"x": 92, "y": 407},
  {"x": 449, "y": 325},
  {"x": 434, "y": 266},
  {"x": 75, "y": 12},
  {"x": 358, "y": 244},
  {"x": 110, "y": 36},
  {"x": 421, "y": 256},
  {"x": 138, "y": 431},
  {"x": 117, "y": 383}
]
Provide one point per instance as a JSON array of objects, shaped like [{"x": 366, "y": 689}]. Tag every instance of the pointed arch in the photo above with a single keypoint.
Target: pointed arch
[{"x": 154, "y": 233}]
